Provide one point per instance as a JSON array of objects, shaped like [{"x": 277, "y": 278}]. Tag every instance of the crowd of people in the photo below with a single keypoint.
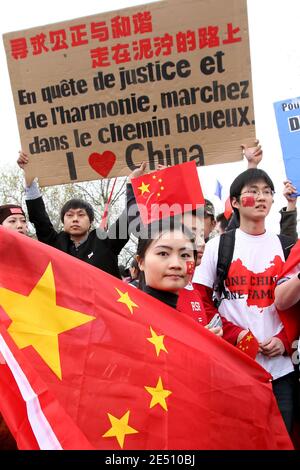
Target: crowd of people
[{"x": 179, "y": 262}]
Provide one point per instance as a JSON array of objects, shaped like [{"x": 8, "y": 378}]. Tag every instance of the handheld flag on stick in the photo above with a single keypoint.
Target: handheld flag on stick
[
  {"x": 249, "y": 345},
  {"x": 168, "y": 192},
  {"x": 104, "y": 221}
]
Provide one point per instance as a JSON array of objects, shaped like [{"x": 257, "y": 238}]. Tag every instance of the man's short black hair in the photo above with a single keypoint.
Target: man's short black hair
[
  {"x": 124, "y": 272},
  {"x": 248, "y": 177},
  {"x": 77, "y": 204}
]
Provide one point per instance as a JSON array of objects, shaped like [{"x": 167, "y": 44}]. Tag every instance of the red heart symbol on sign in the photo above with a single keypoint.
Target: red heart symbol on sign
[{"x": 102, "y": 163}]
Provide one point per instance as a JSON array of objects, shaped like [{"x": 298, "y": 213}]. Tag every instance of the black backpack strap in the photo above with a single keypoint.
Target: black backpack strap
[
  {"x": 287, "y": 244},
  {"x": 225, "y": 254}
]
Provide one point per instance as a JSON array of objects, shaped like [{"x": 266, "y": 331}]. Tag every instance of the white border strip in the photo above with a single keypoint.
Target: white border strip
[{"x": 41, "y": 427}]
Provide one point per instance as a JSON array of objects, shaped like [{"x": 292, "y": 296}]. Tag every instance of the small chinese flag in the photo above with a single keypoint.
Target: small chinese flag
[
  {"x": 168, "y": 192},
  {"x": 249, "y": 345}
]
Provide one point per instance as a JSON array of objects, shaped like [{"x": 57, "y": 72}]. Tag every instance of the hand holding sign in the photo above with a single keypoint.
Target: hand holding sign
[
  {"x": 161, "y": 91},
  {"x": 253, "y": 155}
]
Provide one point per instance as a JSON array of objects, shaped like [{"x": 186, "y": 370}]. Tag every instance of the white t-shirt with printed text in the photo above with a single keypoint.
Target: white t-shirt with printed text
[{"x": 250, "y": 284}]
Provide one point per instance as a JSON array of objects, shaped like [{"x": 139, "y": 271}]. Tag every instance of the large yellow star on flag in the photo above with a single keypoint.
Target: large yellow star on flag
[
  {"x": 119, "y": 428},
  {"x": 144, "y": 188},
  {"x": 159, "y": 395},
  {"x": 158, "y": 341},
  {"x": 37, "y": 320},
  {"x": 125, "y": 299},
  {"x": 249, "y": 337}
]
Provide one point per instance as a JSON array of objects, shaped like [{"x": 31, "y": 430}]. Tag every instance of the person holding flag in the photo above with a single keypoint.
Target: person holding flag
[
  {"x": 166, "y": 256},
  {"x": 113, "y": 368},
  {"x": 12, "y": 217},
  {"x": 95, "y": 247},
  {"x": 136, "y": 359},
  {"x": 165, "y": 214},
  {"x": 245, "y": 292}
]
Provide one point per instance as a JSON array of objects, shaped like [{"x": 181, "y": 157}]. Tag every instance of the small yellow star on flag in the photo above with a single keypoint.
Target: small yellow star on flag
[
  {"x": 144, "y": 188},
  {"x": 159, "y": 395},
  {"x": 158, "y": 341},
  {"x": 119, "y": 428},
  {"x": 125, "y": 299}
]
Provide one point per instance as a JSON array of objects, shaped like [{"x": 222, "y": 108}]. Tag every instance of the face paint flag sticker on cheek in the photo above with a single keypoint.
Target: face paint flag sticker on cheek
[
  {"x": 190, "y": 267},
  {"x": 248, "y": 201}
]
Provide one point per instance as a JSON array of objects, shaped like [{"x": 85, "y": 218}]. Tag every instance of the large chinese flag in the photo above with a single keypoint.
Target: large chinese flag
[
  {"x": 90, "y": 363},
  {"x": 168, "y": 192}
]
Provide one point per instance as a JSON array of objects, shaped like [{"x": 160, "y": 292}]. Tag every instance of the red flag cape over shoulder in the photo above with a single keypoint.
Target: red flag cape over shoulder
[
  {"x": 90, "y": 362},
  {"x": 290, "y": 317}
]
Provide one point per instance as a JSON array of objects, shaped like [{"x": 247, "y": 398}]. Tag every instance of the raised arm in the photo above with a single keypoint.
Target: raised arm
[
  {"x": 38, "y": 215},
  {"x": 253, "y": 155},
  {"x": 119, "y": 232},
  {"x": 287, "y": 293},
  {"x": 288, "y": 221},
  {"x": 23, "y": 161}
]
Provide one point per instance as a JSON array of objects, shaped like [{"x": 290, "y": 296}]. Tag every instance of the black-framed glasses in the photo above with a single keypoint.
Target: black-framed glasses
[{"x": 267, "y": 192}]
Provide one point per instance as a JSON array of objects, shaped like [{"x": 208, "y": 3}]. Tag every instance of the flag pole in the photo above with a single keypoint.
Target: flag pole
[{"x": 103, "y": 223}]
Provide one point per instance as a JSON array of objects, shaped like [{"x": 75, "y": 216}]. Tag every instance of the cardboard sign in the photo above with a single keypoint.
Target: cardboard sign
[
  {"x": 288, "y": 123},
  {"x": 167, "y": 83}
]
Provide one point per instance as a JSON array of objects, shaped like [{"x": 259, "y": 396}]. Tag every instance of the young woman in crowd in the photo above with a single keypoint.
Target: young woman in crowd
[
  {"x": 166, "y": 256},
  {"x": 13, "y": 217}
]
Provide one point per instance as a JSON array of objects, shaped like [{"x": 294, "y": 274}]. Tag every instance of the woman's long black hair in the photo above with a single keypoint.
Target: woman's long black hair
[{"x": 155, "y": 230}]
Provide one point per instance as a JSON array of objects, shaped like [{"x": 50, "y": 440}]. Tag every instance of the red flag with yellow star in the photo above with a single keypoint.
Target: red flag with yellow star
[
  {"x": 89, "y": 362},
  {"x": 249, "y": 345},
  {"x": 168, "y": 192}
]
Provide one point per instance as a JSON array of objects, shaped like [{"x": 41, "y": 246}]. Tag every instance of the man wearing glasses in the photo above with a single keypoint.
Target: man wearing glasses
[{"x": 246, "y": 299}]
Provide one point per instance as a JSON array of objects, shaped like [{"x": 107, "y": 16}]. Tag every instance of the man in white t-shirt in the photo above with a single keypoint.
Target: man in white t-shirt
[{"x": 247, "y": 302}]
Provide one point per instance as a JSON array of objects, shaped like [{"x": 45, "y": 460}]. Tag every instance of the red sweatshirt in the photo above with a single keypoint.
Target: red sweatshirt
[{"x": 190, "y": 302}]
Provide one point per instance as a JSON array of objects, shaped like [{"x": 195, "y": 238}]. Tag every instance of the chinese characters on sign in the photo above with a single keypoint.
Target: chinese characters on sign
[{"x": 133, "y": 85}]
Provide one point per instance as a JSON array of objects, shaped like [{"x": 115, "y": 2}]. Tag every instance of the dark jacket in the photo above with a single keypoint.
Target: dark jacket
[
  {"x": 101, "y": 248},
  {"x": 288, "y": 223}
]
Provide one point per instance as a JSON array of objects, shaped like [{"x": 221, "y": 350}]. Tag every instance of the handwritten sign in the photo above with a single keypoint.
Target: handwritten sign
[
  {"x": 165, "y": 83},
  {"x": 288, "y": 123}
]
